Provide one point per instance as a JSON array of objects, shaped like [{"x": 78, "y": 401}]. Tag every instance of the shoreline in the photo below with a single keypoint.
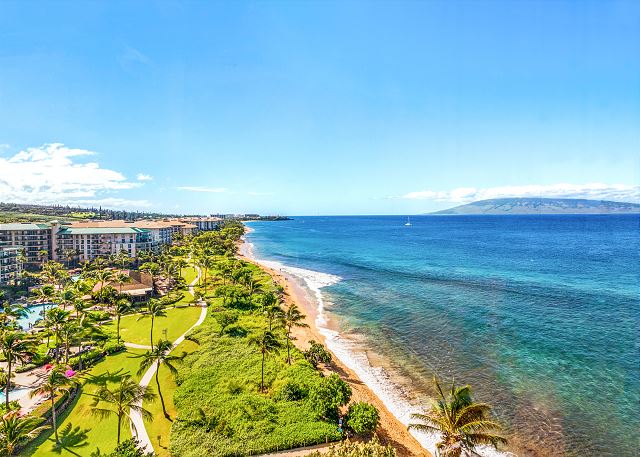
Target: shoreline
[{"x": 391, "y": 430}]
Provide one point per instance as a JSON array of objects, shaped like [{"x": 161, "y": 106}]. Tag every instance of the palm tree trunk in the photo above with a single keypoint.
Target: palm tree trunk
[
  {"x": 262, "y": 380},
  {"x": 53, "y": 416},
  {"x": 118, "y": 328},
  {"x": 119, "y": 426},
  {"x": 152, "y": 318},
  {"x": 6, "y": 388},
  {"x": 164, "y": 409},
  {"x": 288, "y": 348}
]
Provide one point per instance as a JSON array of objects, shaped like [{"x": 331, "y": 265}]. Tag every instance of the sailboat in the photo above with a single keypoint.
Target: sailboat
[{"x": 408, "y": 222}]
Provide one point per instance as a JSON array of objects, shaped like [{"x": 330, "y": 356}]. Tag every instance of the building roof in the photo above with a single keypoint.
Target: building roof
[
  {"x": 144, "y": 224},
  {"x": 71, "y": 230},
  {"x": 24, "y": 226}
]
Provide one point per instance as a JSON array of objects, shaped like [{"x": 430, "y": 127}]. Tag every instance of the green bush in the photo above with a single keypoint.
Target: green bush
[
  {"x": 362, "y": 417},
  {"x": 346, "y": 449},
  {"x": 113, "y": 347},
  {"x": 329, "y": 394},
  {"x": 128, "y": 448},
  {"x": 317, "y": 354},
  {"x": 220, "y": 409}
]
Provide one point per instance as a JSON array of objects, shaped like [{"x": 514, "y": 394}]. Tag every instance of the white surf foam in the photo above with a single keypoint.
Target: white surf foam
[{"x": 377, "y": 379}]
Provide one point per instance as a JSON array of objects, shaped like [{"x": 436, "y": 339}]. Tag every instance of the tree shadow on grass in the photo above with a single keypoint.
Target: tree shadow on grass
[
  {"x": 107, "y": 376},
  {"x": 71, "y": 438}
]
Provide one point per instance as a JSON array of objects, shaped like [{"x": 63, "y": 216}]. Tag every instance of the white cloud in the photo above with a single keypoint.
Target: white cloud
[
  {"x": 202, "y": 189},
  {"x": 596, "y": 191},
  {"x": 49, "y": 174},
  {"x": 144, "y": 177}
]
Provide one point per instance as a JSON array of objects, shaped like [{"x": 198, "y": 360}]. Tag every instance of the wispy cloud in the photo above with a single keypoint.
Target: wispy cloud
[
  {"x": 596, "y": 191},
  {"x": 51, "y": 174},
  {"x": 216, "y": 190},
  {"x": 131, "y": 55},
  {"x": 144, "y": 177}
]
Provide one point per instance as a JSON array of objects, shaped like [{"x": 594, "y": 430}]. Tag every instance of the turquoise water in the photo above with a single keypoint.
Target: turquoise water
[
  {"x": 540, "y": 314},
  {"x": 34, "y": 314}
]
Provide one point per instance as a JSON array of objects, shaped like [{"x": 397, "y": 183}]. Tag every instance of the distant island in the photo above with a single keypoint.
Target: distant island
[{"x": 542, "y": 206}]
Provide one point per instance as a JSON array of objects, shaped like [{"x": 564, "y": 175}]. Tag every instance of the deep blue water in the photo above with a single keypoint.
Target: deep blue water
[{"x": 540, "y": 314}]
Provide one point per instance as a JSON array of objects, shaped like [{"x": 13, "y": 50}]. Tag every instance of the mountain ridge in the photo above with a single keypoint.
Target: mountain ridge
[{"x": 535, "y": 205}]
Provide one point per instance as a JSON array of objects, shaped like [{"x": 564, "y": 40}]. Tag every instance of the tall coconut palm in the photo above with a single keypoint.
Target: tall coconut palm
[
  {"x": 274, "y": 314},
  {"x": 15, "y": 346},
  {"x": 103, "y": 276},
  {"x": 181, "y": 263},
  {"x": 16, "y": 430},
  {"x": 268, "y": 344},
  {"x": 54, "y": 382},
  {"x": 121, "y": 279},
  {"x": 56, "y": 318},
  {"x": 10, "y": 313},
  {"x": 462, "y": 423},
  {"x": 66, "y": 297},
  {"x": 155, "y": 308},
  {"x": 161, "y": 354},
  {"x": 120, "y": 307},
  {"x": 290, "y": 318},
  {"x": 43, "y": 255},
  {"x": 118, "y": 401}
]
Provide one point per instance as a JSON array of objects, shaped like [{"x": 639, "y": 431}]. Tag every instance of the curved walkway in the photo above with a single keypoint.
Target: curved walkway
[{"x": 138, "y": 429}]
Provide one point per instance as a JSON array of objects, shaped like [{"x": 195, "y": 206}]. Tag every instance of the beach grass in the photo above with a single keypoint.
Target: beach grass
[{"x": 159, "y": 428}]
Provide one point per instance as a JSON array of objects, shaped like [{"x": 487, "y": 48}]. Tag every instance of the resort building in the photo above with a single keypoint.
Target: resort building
[
  {"x": 203, "y": 224},
  {"x": 140, "y": 287},
  {"x": 10, "y": 264},
  {"x": 35, "y": 239},
  {"x": 87, "y": 243},
  {"x": 86, "y": 240}
]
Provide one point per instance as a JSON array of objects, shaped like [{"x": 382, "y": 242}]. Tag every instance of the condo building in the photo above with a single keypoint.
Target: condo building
[
  {"x": 10, "y": 264},
  {"x": 34, "y": 239}
]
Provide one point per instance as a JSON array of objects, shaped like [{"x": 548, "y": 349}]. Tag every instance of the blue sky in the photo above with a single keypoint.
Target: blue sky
[{"x": 317, "y": 107}]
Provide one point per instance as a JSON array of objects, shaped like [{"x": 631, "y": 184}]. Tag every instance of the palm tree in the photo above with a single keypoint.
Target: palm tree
[
  {"x": 55, "y": 382},
  {"x": 43, "y": 254},
  {"x": 122, "y": 279},
  {"x": 462, "y": 423},
  {"x": 269, "y": 299},
  {"x": 15, "y": 347},
  {"x": 155, "y": 308},
  {"x": 181, "y": 263},
  {"x": 127, "y": 396},
  {"x": 267, "y": 343},
  {"x": 273, "y": 313},
  {"x": 66, "y": 297},
  {"x": 10, "y": 313},
  {"x": 120, "y": 307},
  {"x": 56, "y": 318},
  {"x": 152, "y": 268},
  {"x": 160, "y": 355},
  {"x": 292, "y": 317},
  {"x": 103, "y": 276},
  {"x": 16, "y": 429}
]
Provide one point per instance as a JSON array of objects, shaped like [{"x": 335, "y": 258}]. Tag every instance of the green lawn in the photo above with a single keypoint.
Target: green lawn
[
  {"x": 189, "y": 274},
  {"x": 87, "y": 431},
  {"x": 177, "y": 321},
  {"x": 159, "y": 428}
]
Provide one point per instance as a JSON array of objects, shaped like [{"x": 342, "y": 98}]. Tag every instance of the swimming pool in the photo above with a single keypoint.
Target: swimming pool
[{"x": 34, "y": 314}]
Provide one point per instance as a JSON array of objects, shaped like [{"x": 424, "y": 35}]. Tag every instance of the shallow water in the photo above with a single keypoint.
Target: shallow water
[{"x": 540, "y": 314}]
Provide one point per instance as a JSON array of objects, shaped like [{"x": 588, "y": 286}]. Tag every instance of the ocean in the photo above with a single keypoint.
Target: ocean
[{"x": 539, "y": 314}]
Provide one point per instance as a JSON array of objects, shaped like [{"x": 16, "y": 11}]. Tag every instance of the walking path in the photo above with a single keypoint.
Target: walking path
[
  {"x": 138, "y": 429},
  {"x": 300, "y": 451},
  {"x": 137, "y": 346}
]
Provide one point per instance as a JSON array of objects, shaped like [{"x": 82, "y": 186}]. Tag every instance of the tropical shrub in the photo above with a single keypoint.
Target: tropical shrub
[
  {"x": 362, "y": 417},
  {"x": 327, "y": 395},
  {"x": 347, "y": 449},
  {"x": 317, "y": 354}
]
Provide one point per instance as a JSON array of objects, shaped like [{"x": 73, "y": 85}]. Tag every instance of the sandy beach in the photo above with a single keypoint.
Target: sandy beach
[{"x": 391, "y": 431}]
